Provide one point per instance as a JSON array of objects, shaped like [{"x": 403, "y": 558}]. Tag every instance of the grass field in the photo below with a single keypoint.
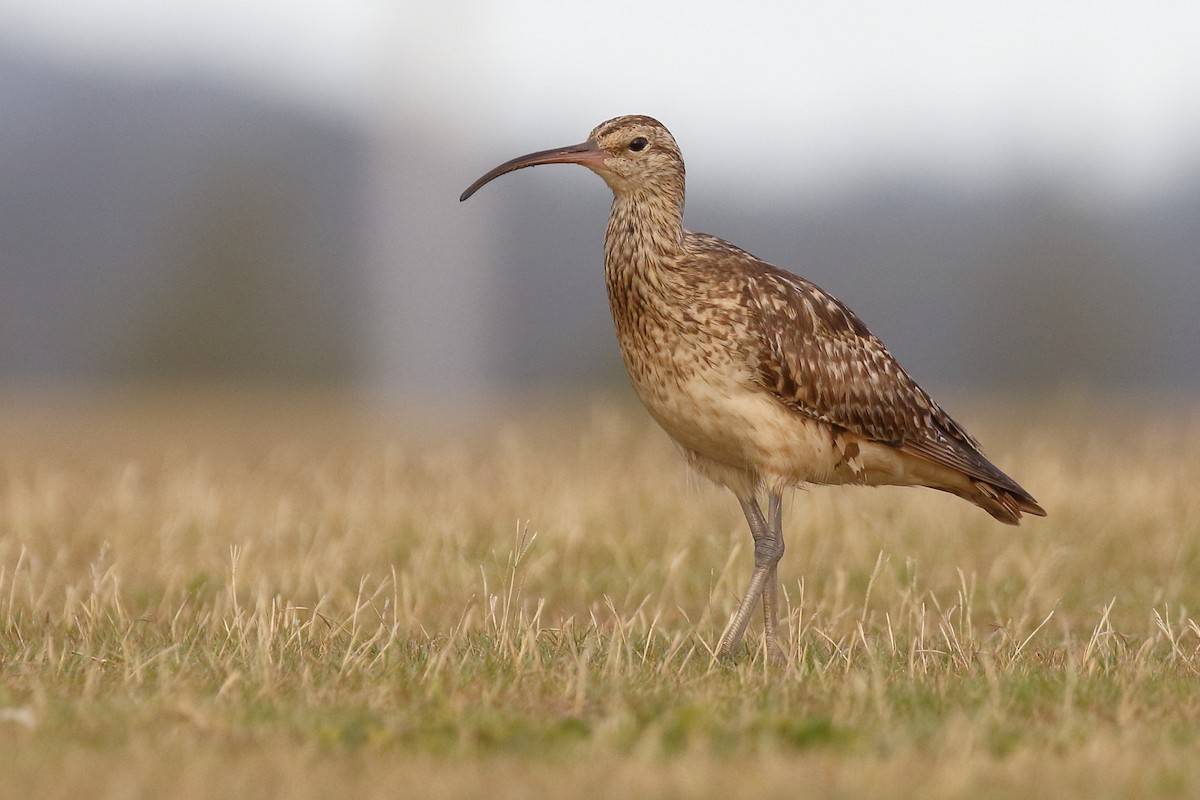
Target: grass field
[{"x": 224, "y": 595}]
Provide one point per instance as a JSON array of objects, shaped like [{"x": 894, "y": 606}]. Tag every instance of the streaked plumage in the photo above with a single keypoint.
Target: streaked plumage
[{"x": 763, "y": 379}]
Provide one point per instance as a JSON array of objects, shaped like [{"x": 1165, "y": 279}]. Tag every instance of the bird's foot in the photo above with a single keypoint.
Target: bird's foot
[{"x": 728, "y": 653}]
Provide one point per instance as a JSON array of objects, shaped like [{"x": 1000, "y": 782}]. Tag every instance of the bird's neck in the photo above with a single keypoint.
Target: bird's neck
[
  {"x": 641, "y": 254},
  {"x": 644, "y": 229}
]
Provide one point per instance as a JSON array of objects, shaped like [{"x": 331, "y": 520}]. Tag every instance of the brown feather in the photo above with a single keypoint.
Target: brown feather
[{"x": 820, "y": 360}]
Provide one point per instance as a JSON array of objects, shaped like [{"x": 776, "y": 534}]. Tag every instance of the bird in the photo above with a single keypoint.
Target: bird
[{"x": 763, "y": 380}]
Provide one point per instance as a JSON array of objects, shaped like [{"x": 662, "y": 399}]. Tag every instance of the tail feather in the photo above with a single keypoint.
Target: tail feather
[{"x": 1002, "y": 503}]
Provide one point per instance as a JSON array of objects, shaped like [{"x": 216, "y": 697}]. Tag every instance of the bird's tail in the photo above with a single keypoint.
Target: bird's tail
[{"x": 1005, "y": 503}]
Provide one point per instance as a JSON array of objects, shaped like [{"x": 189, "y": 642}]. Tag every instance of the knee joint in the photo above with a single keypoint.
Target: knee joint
[{"x": 768, "y": 549}]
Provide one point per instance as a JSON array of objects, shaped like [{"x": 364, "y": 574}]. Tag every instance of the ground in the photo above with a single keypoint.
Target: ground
[{"x": 299, "y": 595}]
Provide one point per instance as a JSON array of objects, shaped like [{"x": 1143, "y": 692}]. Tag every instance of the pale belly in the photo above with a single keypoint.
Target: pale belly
[
  {"x": 739, "y": 436},
  {"x": 742, "y": 429}
]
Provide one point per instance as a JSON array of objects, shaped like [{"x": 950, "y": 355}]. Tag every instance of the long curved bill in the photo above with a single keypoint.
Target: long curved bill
[{"x": 587, "y": 153}]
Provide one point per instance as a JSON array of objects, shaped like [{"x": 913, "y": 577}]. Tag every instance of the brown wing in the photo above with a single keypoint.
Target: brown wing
[{"x": 819, "y": 359}]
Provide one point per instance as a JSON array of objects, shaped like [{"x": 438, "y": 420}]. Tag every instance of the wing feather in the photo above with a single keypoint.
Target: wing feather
[{"x": 819, "y": 359}]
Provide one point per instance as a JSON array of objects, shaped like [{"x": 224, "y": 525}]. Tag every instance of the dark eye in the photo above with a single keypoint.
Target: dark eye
[{"x": 638, "y": 144}]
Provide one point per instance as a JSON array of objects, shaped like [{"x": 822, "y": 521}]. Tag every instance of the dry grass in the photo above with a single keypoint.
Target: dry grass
[{"x": 233, "y": 595}]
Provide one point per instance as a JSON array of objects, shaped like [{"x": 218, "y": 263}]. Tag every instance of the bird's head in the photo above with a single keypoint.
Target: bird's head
[{"x": 634, "y": 155}]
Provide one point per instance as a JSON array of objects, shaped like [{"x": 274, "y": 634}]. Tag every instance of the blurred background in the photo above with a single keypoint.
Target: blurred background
[{"x": 266, "y": 191}]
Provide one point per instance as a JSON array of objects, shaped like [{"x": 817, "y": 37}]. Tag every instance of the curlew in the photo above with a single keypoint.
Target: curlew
[{"x": 762, "y": 379}]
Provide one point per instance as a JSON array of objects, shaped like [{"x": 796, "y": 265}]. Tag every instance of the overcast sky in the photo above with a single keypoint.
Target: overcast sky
[{"x": 1106, "y": 94}]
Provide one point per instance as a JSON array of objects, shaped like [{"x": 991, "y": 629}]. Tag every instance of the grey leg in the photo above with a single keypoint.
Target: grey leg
[
  {"x": 771, "y": 586},
  {"x": 768, "y": 549}
]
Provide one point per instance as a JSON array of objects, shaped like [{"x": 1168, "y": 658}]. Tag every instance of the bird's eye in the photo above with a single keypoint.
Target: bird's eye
[{"x": 638, "y": 144}]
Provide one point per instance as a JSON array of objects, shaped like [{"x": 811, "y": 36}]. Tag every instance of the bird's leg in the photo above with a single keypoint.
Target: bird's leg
[
  {"x": 768, "y": 548},
  {"x": 771, "y": 585}
]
